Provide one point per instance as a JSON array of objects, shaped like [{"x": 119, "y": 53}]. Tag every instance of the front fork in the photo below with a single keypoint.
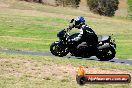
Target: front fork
[{"x": 112, "y": 42}]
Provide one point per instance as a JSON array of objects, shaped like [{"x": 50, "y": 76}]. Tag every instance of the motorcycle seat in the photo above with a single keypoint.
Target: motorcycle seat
[{"x": 103, "y": 38}]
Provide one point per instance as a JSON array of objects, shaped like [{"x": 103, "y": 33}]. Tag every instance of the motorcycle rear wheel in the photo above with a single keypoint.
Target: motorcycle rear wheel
[{"x": 106, "y": 54}]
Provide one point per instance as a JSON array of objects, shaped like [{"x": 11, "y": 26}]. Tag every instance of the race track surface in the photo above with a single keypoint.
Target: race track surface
[{"x": 115, "y": 60}]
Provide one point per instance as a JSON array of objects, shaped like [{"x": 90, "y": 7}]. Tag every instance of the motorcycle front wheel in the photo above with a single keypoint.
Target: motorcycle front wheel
[
  {"x": 106, "y": 54},
  {"x": 58, "y": 49}
]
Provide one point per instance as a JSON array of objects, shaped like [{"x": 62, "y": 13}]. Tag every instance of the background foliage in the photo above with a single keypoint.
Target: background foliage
[
  {"x": 40, "y": 1},
  {"x": 103, "y": 7},
  {"x": 64, "y": 3},
  {"x": 130, "y": 9}
]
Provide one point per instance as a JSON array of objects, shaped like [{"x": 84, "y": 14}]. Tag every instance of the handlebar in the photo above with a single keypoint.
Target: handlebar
[
  {"x": 67, "y": 29},
  {"x": 70, "y": 27}
]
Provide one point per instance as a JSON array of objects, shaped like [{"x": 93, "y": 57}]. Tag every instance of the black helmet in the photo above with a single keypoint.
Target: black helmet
[{"x": 78, "y": 21}]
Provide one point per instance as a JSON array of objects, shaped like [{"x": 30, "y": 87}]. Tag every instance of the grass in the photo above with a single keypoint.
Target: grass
[
  {"x": 37, "y": 32},
  {"x": 33, "y": 27},
  {"x": 44, "y": 72},
  {"x": 27, "y": 32}
]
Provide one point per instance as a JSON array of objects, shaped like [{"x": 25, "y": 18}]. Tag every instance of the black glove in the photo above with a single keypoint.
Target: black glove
[{"x": 72, "y": 21}]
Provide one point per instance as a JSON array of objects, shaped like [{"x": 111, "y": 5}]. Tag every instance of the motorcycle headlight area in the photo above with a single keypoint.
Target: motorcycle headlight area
[{"x": 61, "y": 34}]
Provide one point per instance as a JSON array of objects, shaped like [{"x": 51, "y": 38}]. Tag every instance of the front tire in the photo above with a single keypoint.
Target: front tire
[
  {"x": 58, "y": 50},
  {"x": 106, "y": 54}
]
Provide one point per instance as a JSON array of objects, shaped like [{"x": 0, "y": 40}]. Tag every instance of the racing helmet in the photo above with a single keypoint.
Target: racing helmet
[{"x": 78, "y": 21}]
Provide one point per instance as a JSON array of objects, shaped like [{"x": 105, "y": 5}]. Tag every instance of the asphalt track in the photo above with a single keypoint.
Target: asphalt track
[{"x": 115, "y": 60}]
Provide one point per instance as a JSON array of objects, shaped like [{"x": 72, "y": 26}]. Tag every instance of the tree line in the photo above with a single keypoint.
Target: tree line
[
  {"x": 101, "y": 7},
  {"x": 39, "y": 1},
  {"x": 130, "y": 9}
]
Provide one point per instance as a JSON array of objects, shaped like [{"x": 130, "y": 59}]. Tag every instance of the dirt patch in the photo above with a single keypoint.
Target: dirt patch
[
  {"x": 3, "y": 5},
  {"x": 99, "y": 71},
  {"x": 32, "y": 69},
  {"x": 43, "y": 70},
  {"x": 122, "y": 11},
  {"x": 38, "y": 13}
]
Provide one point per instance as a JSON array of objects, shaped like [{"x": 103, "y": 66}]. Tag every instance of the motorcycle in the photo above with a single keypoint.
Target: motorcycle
[{"x": 104, "y": 51}]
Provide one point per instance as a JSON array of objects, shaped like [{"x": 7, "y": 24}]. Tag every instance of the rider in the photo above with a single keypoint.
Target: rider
[{"x": 86, "y": 33}]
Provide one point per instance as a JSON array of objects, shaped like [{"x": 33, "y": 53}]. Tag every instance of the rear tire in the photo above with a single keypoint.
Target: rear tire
[
  {"x": 58, "y": 50},
  {"x": 106, "y": 54}
]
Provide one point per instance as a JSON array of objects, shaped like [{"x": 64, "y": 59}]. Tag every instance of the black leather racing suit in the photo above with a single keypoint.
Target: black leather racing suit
[{"x": 87, "y": 35}]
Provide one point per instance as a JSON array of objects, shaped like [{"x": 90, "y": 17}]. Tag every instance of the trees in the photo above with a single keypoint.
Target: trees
[
  {"x": 40, "y": 1},
  {"x": 71, "y": 3},
  {"x": 130, "y": 9},
  {"x": 103, "y": 7}
]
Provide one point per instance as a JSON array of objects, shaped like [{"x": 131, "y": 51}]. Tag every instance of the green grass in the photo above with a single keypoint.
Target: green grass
[
  {"x": 20, "y": 30},
  {"x": 30, "y": 26},
  {"x": 38, "y": 28},
  {"x": 26, "y": 71},
  {"x": 34, "y": 27}
]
